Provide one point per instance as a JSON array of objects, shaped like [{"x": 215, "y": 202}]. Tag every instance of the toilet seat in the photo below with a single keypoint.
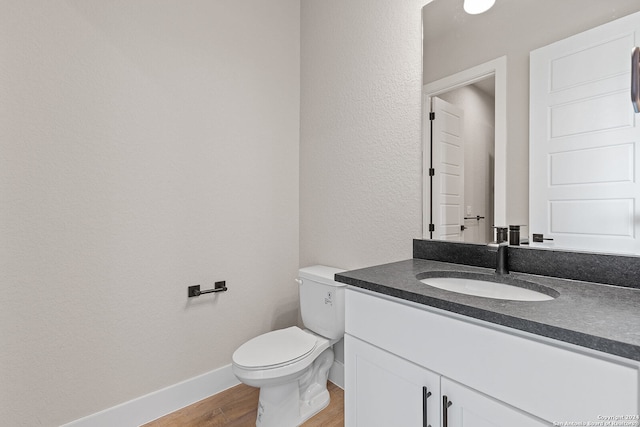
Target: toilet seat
[
  {"x": 275, "y": 349},
  {"x": 281, "y": 370}
]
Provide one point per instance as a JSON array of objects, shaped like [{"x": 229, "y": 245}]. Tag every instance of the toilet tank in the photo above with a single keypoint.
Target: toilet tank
[{"x": 322, "y": 301}]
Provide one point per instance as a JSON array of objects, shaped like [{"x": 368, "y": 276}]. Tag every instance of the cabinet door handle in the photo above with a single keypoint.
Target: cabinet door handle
[
  {"x": 445, "y": 405},
  {"x": 425, "y": 416},
  {"x": 635, "y": 79}
]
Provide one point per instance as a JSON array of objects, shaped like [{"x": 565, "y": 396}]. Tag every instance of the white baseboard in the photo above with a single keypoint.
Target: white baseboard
[
  {"x": 336, "y": 374},
  {"x": 162, "y": 402},
  {"x": 159, "y": 403}
]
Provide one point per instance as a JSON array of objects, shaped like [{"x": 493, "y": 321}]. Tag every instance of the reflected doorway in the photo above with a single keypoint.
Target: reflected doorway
[{"x": 462, "y": 168}]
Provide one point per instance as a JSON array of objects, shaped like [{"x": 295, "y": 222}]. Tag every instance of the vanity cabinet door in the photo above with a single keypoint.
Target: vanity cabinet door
[
  {"x": 382, "y": 389},
  {"x": 469, "y": 408}
]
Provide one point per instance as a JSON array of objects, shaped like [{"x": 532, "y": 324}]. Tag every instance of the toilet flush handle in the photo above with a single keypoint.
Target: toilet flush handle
[{"x": 299, "y": 281}]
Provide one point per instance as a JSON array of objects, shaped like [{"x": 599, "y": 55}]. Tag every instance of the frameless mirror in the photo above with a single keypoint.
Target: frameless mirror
[{"x": 485, "y": 58}]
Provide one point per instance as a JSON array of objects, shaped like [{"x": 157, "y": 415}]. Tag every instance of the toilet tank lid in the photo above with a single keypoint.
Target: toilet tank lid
[{"x": 321, "y": 274}]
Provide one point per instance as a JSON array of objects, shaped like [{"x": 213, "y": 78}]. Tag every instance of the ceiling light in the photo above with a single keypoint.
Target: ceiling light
[{"x": 474, "y": 7}]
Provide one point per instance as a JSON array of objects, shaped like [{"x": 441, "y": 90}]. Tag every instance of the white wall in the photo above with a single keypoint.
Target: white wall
[
  {"x": 360, "y": 146},
  {"x": 144, "y": 146}
]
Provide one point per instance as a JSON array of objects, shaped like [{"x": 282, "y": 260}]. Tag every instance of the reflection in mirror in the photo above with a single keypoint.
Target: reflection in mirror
[
  {"x": 466, "y": 198},
  {"x": 455, "y": 41},
  {"x": 463, "y": 151},
  {"x": 477, "y": 102}
]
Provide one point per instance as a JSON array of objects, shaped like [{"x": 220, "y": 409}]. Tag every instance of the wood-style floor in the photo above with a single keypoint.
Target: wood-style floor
[{"x": 238, "y": 407}]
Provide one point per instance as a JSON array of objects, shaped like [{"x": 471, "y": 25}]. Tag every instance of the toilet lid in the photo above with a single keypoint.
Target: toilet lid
[{"x": 275, "y": 348}]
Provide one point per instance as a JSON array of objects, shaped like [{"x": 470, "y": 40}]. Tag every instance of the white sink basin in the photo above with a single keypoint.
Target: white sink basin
[{"x": 483, "y": 288}]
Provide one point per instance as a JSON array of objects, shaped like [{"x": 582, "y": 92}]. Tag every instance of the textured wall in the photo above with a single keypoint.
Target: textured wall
[
  {"x": 360, "y": 144},
  {"x": 144, "y": 146}
]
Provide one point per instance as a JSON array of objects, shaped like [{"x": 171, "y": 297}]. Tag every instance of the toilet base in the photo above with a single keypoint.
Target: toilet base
[
  {"x": 291, "y": 404},
  {"x": 309, "y": 409}
]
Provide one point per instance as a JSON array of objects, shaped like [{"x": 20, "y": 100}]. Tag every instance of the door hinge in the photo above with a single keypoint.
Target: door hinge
[
  {"x": 432, "y": 172},
  {"x": 432, "y": 115},
  {"x": 432, "y": 227}
]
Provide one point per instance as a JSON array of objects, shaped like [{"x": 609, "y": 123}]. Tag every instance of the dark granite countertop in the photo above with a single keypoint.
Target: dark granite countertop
[{"x": 596, "y": 316}]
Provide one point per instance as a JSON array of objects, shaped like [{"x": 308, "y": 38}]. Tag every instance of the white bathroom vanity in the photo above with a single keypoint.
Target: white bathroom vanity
[{"x": 428, "y": 357}]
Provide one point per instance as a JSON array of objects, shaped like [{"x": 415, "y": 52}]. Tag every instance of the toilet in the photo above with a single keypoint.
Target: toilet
[{"x": 291, "y": 365}]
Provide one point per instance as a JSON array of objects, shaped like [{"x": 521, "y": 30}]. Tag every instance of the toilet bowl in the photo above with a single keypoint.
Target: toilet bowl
[{"x": 291, "y": 365}]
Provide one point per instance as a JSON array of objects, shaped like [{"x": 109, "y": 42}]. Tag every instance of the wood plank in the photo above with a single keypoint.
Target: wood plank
[{"x": 237, "y": 407}]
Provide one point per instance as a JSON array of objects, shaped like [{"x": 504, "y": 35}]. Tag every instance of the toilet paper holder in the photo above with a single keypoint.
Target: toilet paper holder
[{"x": 194, "y": 291}]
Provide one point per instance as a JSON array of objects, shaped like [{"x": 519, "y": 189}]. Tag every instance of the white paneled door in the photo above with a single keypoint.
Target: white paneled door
[
  {"x": 584, "y": 136},
  {"x": 447, "y": 144}
]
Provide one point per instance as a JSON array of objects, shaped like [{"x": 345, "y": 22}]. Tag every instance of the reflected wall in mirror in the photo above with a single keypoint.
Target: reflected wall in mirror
[{"x": 454, "y": 41}]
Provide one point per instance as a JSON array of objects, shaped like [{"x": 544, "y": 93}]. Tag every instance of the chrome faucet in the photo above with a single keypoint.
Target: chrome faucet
[{"x": 501, "y": 249}]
